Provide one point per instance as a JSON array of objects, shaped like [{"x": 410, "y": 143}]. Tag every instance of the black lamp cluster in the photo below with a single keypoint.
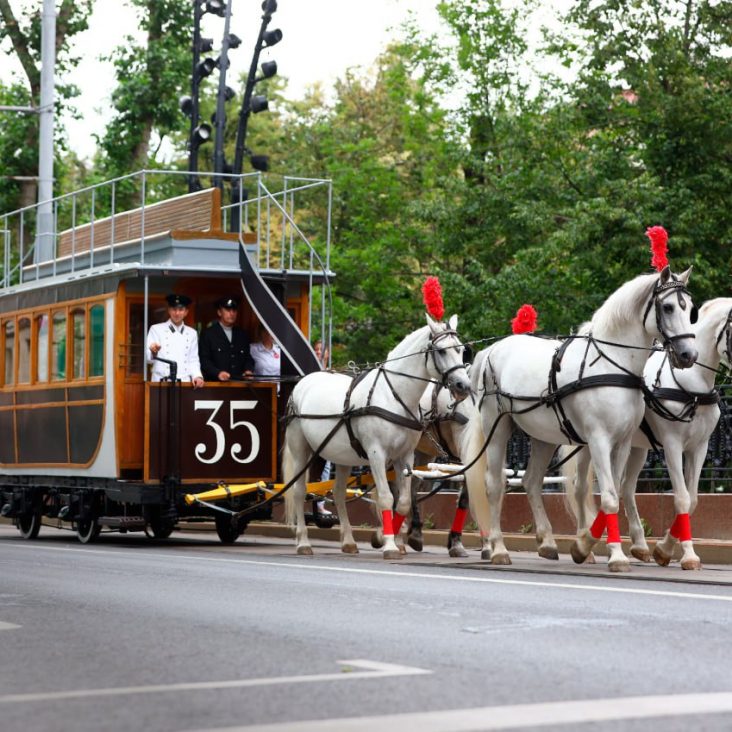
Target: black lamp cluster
[{"x": 202, "y": 132}]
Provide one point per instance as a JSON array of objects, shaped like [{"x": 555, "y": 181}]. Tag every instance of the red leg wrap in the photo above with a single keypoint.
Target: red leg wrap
[
  {"x": 459, "y": 521},
  {"x": 681, "y": 527},
  {"x": 613, "y": 530},
  {"x": 387, "y": 522},
  {"x": 398, "y": 521},
  {"x": 598, "y": 525}
]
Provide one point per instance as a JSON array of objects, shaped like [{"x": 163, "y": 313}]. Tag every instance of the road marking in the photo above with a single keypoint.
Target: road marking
[
  {"x": 392, "y": 573},
  {"x": 8, "y": 626},
  {"x": 371, "y": 670},
  {"x": 514, "y": 716}
]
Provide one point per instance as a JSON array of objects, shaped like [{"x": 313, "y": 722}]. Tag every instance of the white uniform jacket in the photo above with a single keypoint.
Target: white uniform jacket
[{"x": 176, "y": 344}]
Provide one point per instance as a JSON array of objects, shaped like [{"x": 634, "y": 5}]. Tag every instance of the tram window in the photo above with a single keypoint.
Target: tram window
[
  {"x": 136, "y": 339},
  {"x": 58, "y": 347},
  {"x": 42, "y": 331},
  {"x": 78, "y": 319},
  {"x": 9, "y": 333},
  {"x": 96, "y": 340},
  {"x": 24, "y": 350}
]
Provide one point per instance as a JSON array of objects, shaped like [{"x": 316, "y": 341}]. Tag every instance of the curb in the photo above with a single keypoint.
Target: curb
[{"x": 710, "y": 551}]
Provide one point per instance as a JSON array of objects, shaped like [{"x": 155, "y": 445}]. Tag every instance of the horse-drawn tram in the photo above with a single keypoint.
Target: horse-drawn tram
[{"x": 88, "y": 439}]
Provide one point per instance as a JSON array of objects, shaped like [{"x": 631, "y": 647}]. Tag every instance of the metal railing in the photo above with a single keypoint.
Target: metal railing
[{"x": 716, "y": 475}]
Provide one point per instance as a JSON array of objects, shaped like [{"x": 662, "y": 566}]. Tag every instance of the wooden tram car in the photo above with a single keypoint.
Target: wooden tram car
[{"x": 87, "y": 440}]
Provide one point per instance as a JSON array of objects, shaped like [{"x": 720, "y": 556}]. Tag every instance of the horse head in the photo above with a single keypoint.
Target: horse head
[
  {"x": 675, "y": 314},
  {"x": 444, "y": 357}
]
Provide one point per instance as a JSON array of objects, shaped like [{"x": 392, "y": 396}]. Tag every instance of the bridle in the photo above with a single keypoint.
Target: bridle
[
  {"x": 656, "y": 301},
  {"x": 431, "y": 349}
]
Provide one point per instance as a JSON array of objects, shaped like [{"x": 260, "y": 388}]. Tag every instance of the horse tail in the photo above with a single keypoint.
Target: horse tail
[
  {"x": 472, "y": 450},
  {"x": 580, "y": 476}
]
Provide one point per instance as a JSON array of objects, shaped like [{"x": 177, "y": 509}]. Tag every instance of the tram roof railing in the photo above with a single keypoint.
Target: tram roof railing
[{"x": 284, "y": 219}]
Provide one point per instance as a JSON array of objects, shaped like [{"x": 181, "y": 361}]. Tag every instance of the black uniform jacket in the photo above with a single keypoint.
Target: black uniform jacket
[{"x": 217, "y": 354}]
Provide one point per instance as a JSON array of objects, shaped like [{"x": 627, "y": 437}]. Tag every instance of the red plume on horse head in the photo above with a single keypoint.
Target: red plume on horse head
[
  {"x": 525, "y": 320},
  {"x": 659, "y": 246},
  {"x": 432, "y": 296}
]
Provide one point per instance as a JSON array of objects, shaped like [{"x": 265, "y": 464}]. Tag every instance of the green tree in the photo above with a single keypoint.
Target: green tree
[
  {"x": 150, "y": 79},
  {"x": 560, "y": 180},
  {"x": 382, "y": 142},
  {"x": 20, "y": 34}
]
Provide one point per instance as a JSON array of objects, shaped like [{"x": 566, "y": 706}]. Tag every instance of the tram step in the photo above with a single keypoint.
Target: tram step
[{"x": 122, "y": 522}]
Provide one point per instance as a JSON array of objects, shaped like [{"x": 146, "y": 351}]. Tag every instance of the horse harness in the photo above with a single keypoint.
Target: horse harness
[
  {"x": 690, "y": 399},
  {"x": 434, "y": 419},
  {"x": 411, "y": 421},
  {"x": 555, "y": 393}
]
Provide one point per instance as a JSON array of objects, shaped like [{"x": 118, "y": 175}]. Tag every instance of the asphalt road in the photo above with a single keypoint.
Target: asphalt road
[{"x": 185, "y": 635}]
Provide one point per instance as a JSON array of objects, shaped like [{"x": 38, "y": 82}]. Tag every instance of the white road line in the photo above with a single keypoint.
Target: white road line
[
  {"x": 402, "y": 575},
  {"x": 8, "y": 626},
  {"x": 373, "y": 670},
  {"x": 514, "y": 716}
]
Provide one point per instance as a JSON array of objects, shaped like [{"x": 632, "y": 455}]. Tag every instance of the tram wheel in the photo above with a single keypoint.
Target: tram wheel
[
  {"x": 160, "y": 528},
  {"x": 29, "y": 524},
  {"x": 227, "y": 529},
  {"x": 87, "y": 530}
]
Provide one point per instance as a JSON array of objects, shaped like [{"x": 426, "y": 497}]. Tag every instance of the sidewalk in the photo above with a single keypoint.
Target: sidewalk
[{"x": 710, "y": 551}]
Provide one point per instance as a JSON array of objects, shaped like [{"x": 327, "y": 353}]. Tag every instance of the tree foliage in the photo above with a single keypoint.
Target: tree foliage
[
  {"x": 151, "y": 77},
  {"x": 20, "y": 35}
]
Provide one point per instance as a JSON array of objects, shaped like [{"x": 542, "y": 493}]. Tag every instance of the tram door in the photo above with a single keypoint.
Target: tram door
[{"x": 131, "y": 367}]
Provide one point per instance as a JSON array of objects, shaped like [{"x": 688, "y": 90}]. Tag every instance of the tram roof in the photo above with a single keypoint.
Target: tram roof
[{"x": 185, "y": 235}]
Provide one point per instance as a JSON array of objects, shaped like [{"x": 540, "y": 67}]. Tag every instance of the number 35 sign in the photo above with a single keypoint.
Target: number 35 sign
[{"x": 227, "y": 432}]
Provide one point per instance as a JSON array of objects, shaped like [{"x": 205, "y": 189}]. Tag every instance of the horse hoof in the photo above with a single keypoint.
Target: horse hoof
[
  {"x": 661, "y": 559},
  {"x": 691, "y": 564},
  {"x": 402, "y": 549},
  {"x": 577, "y": 555},
  {"x": 591, "y": 558},
  {"x": 485, "y": 554},
  {"x": 305, "y": 551},
  {"x": 415, "y": 542},
  {"x": 500, "y": 559},
  {"x": 642, "y": 555},
  {"x": 376, "y": 541},
  {"x": 457, "y": 551},
  {"x": 548, "y": 552},
  {"x": 392, "y": 554},
  {"x": 619, "y": 566},
  {"x": 349, "y": 549}
]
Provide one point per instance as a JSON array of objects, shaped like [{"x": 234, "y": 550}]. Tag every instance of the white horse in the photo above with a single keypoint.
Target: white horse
[
  {"x": 584, "y": 389},
  {"x": 372, "y": 419},
  {"x": 682, "y": 424}
]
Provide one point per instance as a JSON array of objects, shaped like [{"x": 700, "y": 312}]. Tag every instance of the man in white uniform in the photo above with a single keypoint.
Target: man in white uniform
[{"x": 175, "y": 341}]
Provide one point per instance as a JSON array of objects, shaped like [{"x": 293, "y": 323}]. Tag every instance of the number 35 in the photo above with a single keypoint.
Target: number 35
[{"x": 236, "y": 448}]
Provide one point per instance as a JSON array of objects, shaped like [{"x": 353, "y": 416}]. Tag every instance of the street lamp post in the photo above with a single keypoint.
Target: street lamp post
[{"x": 45, "y": 246}]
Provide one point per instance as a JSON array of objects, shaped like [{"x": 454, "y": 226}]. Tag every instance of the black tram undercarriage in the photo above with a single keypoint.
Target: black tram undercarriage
[{"x": 91, "y": 505}]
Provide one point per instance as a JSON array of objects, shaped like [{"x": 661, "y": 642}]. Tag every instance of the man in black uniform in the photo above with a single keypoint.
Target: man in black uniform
[{"x": 223, "y": 348}]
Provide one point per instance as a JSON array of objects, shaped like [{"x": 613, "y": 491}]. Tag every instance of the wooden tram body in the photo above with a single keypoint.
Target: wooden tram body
[{"x": 87, "y": 440}]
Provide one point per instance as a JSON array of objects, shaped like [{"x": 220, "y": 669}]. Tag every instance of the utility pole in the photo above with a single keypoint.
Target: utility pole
[{"x": 44, "y": 250}]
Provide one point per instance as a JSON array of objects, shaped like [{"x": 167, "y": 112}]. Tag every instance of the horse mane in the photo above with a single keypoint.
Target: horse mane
[
  {"x": 713, "y": 312},
  {"x": 412, "y": 343},
  {"x": 621, "y": 306}
]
